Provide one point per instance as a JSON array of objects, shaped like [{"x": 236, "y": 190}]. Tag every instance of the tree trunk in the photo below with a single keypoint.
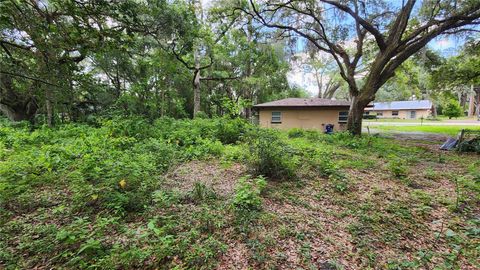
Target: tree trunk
[
  {"x": 478, "y": 103},
  {"x": 49, "y": 107},
  {"x": 196, "y": 92},
  {"x": 16, "y": 107},
  {"x": 462, "y": 99},
  {"x": 20, "y": 112},
  {"x": 471, "y": 103},
  {"x": 13, "y": 115},
  {"x": 355, "y": 115}
]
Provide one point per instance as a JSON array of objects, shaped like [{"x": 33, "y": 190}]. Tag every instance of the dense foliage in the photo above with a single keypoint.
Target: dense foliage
[
  {"x": 452, "y": 109},
  {"x": 129, "y": 142},
  {"x": 102, "y": 195},
  {"x": 67, "y": 60}
]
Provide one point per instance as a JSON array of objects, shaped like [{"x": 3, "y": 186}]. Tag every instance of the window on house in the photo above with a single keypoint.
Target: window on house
[
  {"x": 379, "y": 113},
  {"x": 394, "y": 113},
  {"x": 342, "y": 117},
  {"x": 277, "y": 117}
]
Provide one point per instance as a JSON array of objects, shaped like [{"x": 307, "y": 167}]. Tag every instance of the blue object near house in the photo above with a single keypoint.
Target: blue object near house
[{"x": 329, "y": 129}]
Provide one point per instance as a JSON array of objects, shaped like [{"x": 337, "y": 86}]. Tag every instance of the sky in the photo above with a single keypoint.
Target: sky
[{"x": 446, "y": 46}]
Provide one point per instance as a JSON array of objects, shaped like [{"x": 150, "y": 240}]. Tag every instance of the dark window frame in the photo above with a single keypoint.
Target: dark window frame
[
  {"x": 278, "y": 118},
  {"x": 342, "y": 117}
]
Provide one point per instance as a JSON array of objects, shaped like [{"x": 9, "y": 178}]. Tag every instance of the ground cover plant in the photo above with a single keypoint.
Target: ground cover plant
[{"x": 220, "y": 194}]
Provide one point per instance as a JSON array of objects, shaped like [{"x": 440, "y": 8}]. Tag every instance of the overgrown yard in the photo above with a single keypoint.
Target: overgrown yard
[{"x": 222, "y": 194}]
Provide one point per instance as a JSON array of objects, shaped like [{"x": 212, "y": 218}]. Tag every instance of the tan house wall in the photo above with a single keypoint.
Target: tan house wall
[
  {"x": 403, "y": 114},
  {"x": 306, "y": 118}
]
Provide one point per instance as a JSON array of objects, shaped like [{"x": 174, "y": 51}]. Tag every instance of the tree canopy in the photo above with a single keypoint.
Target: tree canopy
[
  {"x": 367, "y": 39},
  {"x": 67, "y": 60}
]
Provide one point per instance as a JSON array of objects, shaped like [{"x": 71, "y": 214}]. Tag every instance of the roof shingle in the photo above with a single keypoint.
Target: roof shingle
[{"x": 305, "y": 102}]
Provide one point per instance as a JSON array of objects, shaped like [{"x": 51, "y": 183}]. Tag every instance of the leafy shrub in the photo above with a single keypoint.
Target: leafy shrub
[
  {"x": 201, "y": 193},
  {"x": 431, "y": 174},
  {"x": 397, "y": 167},
  {"x": 296, "y": 133},
  {"x": 340, "y": 184},
  {"x": 270, "y": 156},
  {"x": 203, "y": 148},
  {"x": 165, "y": 199},
  {"x": 345, "y": 139},
  {"x": 472, "y": 145},
  {"x": 231, "y": 130},
  {"x": 452, "y": 109},
  {"x": 313, "y": 134},
  {"x": 136, "y": 127},
  {"x": 310, "y": 134},
  {"x": 164, "y": 155},
  {"x": 324, "y": 165},
  {"x": 201, "y": 115},
  {"x": 247, "y": 194},
  {"x": 234, "y": 153}
]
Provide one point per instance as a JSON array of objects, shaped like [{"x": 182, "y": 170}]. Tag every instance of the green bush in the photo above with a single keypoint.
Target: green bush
[
  {"x": 230, "y": 131},
  {"x": 369, "y": 116},
  {"x": 296, "y": 133},
  {"x": 397, "y": 166},
  {"x": 247, "y": 193},
  {"x": 313, "y": 134},
  {"x": 201, "y": 115},
  {"x": 136, "y": 127},
  {"x": 201, "y": 193},
  {"x": 323, "y": 164},
  {"x": 271, "y": 156},
  {"x": 95, "y": 159},
  {"x": 452, "y": 109}
]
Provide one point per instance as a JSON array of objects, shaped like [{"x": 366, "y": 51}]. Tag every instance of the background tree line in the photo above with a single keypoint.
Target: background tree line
[
  {"x": 68, "y": 59},
  {"x": 65, "y": 60}
]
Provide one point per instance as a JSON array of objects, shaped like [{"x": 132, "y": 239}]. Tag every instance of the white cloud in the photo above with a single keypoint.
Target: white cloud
[{"x": 442, "y": 44}]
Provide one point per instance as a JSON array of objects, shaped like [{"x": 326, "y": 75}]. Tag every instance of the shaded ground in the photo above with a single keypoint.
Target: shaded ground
[
  {"x": 220, "y": 179},
  {"x": 381, "y": 221}
]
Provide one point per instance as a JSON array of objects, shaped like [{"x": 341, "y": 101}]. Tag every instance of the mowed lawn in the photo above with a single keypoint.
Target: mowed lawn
[
  {"x": 440, "y": 118},
  {"x": 450, "y": 130}
]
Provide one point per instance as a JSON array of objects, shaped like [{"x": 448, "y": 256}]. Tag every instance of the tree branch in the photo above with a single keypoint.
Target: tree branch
[
  {"x": 379, "y": 38},
  {"x": 28, "y": 77},
  {"x": 220, "y": 78}
]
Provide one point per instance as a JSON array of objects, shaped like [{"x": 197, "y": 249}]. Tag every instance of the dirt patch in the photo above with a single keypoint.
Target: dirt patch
[
  {"x": 211, "y": 173},
  {"x": 311, "y": 225},
  {"x": 236, "y": 257}
]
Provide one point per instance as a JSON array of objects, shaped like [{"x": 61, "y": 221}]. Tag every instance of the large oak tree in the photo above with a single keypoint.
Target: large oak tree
[{"x": 370, "y": 39}]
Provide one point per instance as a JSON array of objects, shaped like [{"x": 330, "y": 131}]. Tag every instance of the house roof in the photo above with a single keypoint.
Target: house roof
[
  {"x": 305, "y": 102},
  {"x": 402, "y": 105}
]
